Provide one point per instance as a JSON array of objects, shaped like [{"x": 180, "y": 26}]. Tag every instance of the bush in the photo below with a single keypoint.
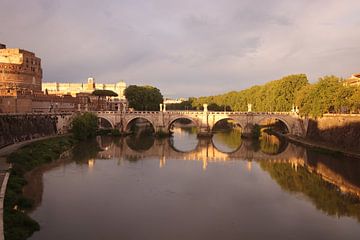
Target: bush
[{"x": 84, "y": 126}]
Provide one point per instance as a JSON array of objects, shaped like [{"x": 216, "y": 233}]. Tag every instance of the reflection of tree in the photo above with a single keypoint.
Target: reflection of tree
[
  {"x": 86, "y": 150},
  {"x": 323, "y": 195},
  {"x": 269, "y": 144}
]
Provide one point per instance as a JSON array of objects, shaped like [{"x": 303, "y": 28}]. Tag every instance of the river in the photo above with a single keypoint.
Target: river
[{"x": 185, "y": 188}]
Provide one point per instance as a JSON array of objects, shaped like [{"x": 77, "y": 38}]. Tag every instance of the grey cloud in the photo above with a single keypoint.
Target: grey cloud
[{"x": 185, "y": 47}]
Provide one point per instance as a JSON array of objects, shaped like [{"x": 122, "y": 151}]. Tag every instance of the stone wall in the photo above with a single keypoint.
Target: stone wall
[
  {"x": 341, "y": 131},
  {"x": 17, "y": 128}
]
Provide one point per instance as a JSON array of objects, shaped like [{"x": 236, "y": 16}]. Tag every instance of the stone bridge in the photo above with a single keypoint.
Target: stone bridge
[{"x": 203, "y": 120}]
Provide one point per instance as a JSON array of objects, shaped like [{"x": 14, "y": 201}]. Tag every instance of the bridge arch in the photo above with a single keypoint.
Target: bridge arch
[
  {"x": 128, "y": 122},
  {"x": 104, "y": 122},
  {"x": 228, "y": 118},
  {"x": 281, "y": 119},
  {"x": 174, "y": 119}
]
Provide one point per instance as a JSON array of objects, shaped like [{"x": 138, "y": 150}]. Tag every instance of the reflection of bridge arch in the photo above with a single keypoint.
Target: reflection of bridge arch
[
  {"x": 205, "y": 152},
  {"x": 173, "y": 120},
  {"x": 283, "y": 145},
  {"x": 146, "y": 143},
  {"x": 172, "y": 146},
  {"x": 218, "y": 149},
  {"x": 107, "y": 120},
  {"x": 127, "y": 125}
]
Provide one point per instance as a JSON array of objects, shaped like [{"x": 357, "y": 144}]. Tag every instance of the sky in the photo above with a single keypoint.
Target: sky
[{"x": 186, "y": 47}]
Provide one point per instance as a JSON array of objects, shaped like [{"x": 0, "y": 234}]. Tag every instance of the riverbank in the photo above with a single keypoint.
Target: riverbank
[
  {"x": 321, "y": 147},
  {"x": 24, "y": 157}
]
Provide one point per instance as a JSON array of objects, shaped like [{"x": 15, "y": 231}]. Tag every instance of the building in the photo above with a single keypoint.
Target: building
[
  {"x": 20, "y": 72},
  {"x": 75, "y": 88},
  {"x": 174, "y": 101},
  {"x": 354, "y": 80},
  {"x": 22, "y": 90}
]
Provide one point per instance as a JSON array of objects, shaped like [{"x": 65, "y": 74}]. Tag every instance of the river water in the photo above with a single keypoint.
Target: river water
[{"x": 185, "y": 188}]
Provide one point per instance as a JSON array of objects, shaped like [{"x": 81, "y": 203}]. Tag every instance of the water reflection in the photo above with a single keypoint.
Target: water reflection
[
  {"x": 211, "y": 169},
  {"x": 184, "y": 138},
  {"x": 272, "y": 144},
  {"x": 227, "y": 141},
  {"x": 320, "y": 177}
]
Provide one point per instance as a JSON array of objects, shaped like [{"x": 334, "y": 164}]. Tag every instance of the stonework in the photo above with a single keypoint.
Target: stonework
[
  {"x": 74, "y": 88},
  {"x": 20, "y": 71}
]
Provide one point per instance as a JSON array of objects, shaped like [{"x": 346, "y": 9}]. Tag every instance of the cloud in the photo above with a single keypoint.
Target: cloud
[{"x": 186, "y": 48}]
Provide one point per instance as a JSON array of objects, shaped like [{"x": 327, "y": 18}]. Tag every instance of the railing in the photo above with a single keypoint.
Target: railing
[
  {"x": 192, "y": 112},
  {"x": 195, "y": 112}
]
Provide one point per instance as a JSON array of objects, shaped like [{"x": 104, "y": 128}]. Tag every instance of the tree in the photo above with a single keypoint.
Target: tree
[
  {"x": 328, "y": 95},
  {"x": 143, "y": 97},
  {"x": 102, "y": 94},
  {"x": 278, "y": 95},
  {"x": 84, "y": 126}
]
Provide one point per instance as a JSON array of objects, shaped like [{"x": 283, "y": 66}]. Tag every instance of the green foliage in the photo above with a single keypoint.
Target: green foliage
[
  {"x": 185, "y": 105},
  {"x": 328, "y": 95},
  {"x": 17, "y": 224},
  {"x": 143, "y": 97},
  {"x": 104, "y": 93},
  {"x": 276, "y": 95},
  {"x": 84, "y": 126}
]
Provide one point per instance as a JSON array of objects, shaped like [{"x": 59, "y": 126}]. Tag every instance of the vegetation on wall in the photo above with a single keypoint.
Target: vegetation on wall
[{"x": 146, "y": 98}]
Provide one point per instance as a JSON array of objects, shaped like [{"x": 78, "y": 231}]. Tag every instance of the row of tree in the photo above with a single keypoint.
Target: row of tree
[{"x": 329, "y": 95}]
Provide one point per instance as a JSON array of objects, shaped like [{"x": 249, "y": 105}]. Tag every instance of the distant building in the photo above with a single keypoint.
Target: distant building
[
  {"x": 354, "y": 80},
  {"x": 75, "y": 88},
  {"x": 20, "y": 72},
  {"x": 174, "y": 101}
]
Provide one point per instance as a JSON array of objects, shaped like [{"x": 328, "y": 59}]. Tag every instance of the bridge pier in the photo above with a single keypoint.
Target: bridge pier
[
  {"x": 247, "y": 132},
  {"x": 161, "y": 131},
  {"x": 204, "y": 132}
]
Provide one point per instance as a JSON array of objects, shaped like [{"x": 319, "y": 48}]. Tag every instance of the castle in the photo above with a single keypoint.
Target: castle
[
  {"x": 22, "y": 90},
  {"x": 20, "y": 71}
]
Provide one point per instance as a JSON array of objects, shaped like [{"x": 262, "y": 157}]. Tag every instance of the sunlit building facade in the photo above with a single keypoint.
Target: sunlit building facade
[
  {"x": 20, "y": 72},
  {"x": 75, "y": 88}
]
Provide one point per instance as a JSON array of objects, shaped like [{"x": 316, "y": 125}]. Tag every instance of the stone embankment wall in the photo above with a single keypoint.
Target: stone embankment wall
[
  {"x": 16, "y": 128},
  {"x": 340, "y": 131}
]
